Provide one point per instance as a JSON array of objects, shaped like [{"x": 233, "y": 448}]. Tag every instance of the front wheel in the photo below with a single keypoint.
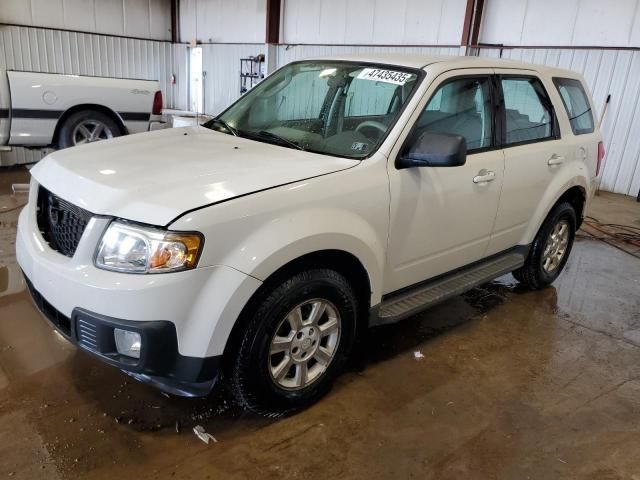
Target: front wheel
[
  {"x": 295, "y": 343},
  {"x": 550, "y": 250}
]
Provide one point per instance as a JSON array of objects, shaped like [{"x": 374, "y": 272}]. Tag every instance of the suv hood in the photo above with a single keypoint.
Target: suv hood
[{"x": 155, "y": 177}]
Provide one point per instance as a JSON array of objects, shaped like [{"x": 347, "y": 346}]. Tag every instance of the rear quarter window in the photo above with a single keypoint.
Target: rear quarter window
[{"x": 576, "y": 103}]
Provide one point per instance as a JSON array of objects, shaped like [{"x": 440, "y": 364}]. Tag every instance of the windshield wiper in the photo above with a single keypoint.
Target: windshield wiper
[
  {"x": 228, "y": 127},
  {"x": 282, "y": 140}
]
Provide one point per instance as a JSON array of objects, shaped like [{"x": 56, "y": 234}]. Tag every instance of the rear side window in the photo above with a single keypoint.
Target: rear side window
[
  {"x": 528, "y": 113},
  {"x": 576, "y": 103}
]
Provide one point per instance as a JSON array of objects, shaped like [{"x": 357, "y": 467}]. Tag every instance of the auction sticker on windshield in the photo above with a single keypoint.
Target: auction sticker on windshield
[{"x": 382, "y": 75}]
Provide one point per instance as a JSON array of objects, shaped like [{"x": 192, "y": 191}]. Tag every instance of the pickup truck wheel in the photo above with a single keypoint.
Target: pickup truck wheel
[
  {"x": 550, "y": 250},
  {"x": 87, "y": 126},
  {"x": 295, "y": 343}
]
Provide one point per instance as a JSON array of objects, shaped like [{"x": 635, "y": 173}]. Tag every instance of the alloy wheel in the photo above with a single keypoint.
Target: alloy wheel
[
  {"x": 304, "y": 344},
  {"x": 90, "y": 131},
  {"x": 555, "y": 247}
]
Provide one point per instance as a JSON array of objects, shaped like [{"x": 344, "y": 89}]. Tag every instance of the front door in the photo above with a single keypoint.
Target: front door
[{"x": 442, "y": 217}]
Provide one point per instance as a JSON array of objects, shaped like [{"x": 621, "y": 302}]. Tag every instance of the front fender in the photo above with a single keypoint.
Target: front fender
[
  {"x": 259, "y": 233},
  {"x": 263, "y": 252}
]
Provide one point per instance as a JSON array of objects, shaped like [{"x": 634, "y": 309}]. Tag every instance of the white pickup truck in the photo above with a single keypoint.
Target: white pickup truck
[
  {"x": 337, "y": 194},
  {"x": 46, "y": 109}
]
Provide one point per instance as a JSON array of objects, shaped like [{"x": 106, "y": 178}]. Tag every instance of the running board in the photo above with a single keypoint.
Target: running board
[{"x": 409, "y": 303}]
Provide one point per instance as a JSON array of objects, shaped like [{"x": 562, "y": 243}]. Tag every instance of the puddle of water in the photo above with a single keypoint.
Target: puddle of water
[{"x": 11, "y": 280}]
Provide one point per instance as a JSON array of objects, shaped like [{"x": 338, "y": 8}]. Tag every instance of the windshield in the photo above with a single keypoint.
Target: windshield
[{"x": 335, "y": 108}]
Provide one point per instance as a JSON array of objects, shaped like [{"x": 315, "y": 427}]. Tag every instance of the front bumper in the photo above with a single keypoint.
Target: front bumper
[
  {"x": 194, "y": 310},
  {"x": 160, "y": 363}
]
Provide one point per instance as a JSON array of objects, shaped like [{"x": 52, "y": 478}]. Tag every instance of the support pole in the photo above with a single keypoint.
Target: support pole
[{"x": 274, "y": 11}]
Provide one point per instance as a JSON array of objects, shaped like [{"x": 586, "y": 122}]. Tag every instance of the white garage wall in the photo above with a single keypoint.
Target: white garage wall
[
  {"x": 223, "y": 21},
  {"x": 227, "y": 31},
  {"x": 373, "y": 22},
  {"x": 222, "y": 66},
  {"x": 606, "y": 71},
  {"x": 600, "y": 23},
  {"x": 146, "y": 19}
]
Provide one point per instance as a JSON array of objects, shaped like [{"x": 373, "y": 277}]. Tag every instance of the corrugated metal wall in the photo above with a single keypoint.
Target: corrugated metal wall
[
  {"x": 22, "y": 156},
  {"x": 180, "y": 91},
  {"x": 606, "y": 71},
  {"x": 147, "y": 19},
  {"x": 221, "y": 62},
  {"x": 54, "y": 51}
]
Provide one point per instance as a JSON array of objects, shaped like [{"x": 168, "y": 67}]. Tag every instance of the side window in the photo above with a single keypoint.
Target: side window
[
  {"x": 576, "y": 104},
  {"x": 528, "y": 113},
  {"x": 461, "y": 106}
]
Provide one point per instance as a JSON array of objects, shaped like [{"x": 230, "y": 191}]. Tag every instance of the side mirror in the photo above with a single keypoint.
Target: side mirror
[{"x": 434, "y": 150}]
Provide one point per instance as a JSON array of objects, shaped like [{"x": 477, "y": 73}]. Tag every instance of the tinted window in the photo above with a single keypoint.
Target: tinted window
[
  {"x": 528, "y": 115},
  {"x": 577, "y": 105},
  {"x": 461, "y": 106}
]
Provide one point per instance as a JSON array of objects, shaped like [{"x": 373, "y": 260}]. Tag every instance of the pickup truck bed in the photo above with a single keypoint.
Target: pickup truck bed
[{"x": 34, "y": 107}]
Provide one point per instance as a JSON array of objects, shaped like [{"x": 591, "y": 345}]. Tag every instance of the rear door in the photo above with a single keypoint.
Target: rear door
[{"x": 533, "y": 150}]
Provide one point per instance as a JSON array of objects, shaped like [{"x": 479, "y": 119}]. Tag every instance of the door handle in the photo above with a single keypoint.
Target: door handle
[
  {"x": 555, "y": 160},
  {"x": 484, "y": 176}
]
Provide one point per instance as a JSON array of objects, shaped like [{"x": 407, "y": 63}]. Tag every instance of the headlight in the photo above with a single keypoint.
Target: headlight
[{"x": 136, "y": 249}]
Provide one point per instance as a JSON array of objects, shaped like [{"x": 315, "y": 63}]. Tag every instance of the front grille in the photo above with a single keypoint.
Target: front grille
[
  {"x": 53, "y": 315},
  {"x": 87, "y": 334},
  {"x": 61, "y": 223}
]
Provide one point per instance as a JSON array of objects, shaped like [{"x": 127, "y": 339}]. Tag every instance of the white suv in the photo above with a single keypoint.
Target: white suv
[{"x": 339, "y": 193}]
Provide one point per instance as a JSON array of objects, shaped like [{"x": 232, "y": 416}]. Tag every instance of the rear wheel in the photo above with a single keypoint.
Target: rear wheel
[
  {"x": 87, "y": 126},
  {"x": 550, "y": 250},
  {"x": 295, "y": 343}
]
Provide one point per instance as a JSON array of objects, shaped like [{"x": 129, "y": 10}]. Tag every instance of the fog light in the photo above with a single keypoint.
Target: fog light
[{"x": 127, "y": 342}]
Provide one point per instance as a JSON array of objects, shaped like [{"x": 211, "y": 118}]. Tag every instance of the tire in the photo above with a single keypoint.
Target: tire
[
  {"x": 82, "y": 127},
  {"x": 542, "y": 266},
  {"x": 252, "y": 375}
]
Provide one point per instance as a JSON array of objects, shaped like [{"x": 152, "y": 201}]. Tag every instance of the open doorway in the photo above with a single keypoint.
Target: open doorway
[{"x": 196, "y": 88}]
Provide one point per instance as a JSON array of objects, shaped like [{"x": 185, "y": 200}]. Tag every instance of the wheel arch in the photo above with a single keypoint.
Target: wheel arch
[
  {"x": 574, "y": 192},
  {"x": 83, "y": 107},
  {"x": 576, "y": 196},
  {"x": 342, "y": 261}
]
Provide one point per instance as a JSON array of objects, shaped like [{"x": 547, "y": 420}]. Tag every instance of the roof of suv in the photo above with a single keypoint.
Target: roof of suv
[{"x": 421, "y": 61}]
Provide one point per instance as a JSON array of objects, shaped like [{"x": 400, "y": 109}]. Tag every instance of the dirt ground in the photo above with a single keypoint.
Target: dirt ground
[{"x": 513, "y": 385}]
